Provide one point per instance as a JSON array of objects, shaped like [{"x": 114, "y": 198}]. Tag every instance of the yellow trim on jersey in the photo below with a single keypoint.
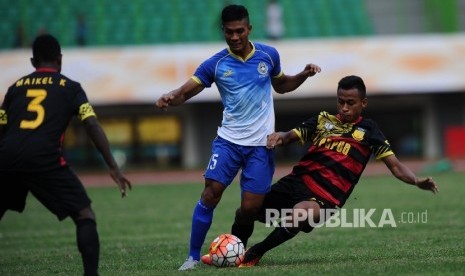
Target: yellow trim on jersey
[
  {"x": 86, "y": 111},
  {"x": 197, "y": 80},
  {"x": 386, "y": 154},
  {"x": 279, "y": 75},
  {"x": 3, "y": 117},
  {"x": 300, "y": 135},
  {"x": 247, "y": 57}
]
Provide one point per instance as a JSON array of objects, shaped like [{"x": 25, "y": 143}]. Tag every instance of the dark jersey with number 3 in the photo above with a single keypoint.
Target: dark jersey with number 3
[
  {"x": 35, "y": 114},
  {"x": 338, "y": 154}
]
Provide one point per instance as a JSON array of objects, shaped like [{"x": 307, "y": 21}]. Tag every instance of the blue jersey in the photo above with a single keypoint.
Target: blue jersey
[{"x": 245, "y": 90}]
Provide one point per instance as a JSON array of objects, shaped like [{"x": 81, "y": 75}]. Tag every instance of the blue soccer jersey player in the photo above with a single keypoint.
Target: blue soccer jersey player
[{"x": 245, "y": 74}]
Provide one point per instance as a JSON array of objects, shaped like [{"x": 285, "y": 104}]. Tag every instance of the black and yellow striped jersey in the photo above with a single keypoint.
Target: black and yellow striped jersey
[{"x": 338, "y": 154}]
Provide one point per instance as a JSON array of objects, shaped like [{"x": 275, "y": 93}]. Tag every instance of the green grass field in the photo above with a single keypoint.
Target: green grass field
[{"x": 147, "y": 234}]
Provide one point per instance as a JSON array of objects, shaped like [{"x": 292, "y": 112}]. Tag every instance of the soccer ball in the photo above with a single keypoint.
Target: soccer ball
[{"x": 226, "y": 250}]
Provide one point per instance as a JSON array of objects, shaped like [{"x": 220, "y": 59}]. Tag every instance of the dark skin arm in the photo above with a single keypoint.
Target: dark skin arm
[
  {"x": 179, "y": 95},
  {"x": 98, "y": 137},
  {"x": 281, "y": 138},
  {"x": 403, "y": 173},
  {"x": 287, "y": 83}
]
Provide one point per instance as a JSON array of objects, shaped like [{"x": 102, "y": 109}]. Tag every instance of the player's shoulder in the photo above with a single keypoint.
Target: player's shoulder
[
  {"x": 71, "y": 84},
  {"x": 263, "y": 46},
  {"x": 67, "y": 79},
  {"x": 368, "y": 121},
  {"x": 20, "y": 81},
  {"x": 369, "y": 124},
  {"x": 327, "y": 116},
  {"x": 220, "y": 54}
]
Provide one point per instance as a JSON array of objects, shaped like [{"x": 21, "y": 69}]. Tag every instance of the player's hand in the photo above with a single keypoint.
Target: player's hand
[
  {"x": 164, "y": 101},
  {"x": 427, "y": 184},
  {"x": 273, "y": 140},
  {"x": 121, "y": 181},
  {"x": 311, "y": 69}
]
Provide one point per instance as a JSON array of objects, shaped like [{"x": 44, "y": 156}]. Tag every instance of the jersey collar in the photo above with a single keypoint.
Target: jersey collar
[
  {"x": 248, "y": 56},
  {"x": 46, "y": 69},
  {"x": 338, "y": 116}
]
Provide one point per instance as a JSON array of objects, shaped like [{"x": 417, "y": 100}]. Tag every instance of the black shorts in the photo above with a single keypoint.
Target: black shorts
[
  {"x": 60, "y": 191},
  {"x": 286, "y": 193}
]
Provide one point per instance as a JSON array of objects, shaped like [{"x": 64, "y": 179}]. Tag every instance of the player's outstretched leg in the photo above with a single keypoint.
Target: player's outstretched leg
[
  {"x": 251, "y": 257},
  {"x": 275, "y": 238}
]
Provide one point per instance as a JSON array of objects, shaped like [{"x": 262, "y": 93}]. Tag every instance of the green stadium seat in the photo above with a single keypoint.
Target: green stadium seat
[{"x": 121, "y": 22}]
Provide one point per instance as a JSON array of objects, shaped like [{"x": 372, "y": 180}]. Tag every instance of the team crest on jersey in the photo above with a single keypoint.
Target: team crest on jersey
[
  {"x": 262, "y": 68},
  {"x": 329, "y": 125},
  {"x": 358, "y": 134}
]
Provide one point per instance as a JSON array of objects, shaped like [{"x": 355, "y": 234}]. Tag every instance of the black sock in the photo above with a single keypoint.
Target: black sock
[
  {"x": 275, "y": 238},
  {"x": 88, "y": 245},
  {"x": 242, "y": 231}
]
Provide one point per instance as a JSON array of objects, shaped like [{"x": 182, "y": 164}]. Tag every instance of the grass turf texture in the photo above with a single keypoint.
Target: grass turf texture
[{"x": 148, "y": 232}]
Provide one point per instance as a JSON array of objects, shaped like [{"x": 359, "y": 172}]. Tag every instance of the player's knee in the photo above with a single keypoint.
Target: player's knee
[
  {"x": 211, "y": 196},
  {"x": 245, "y": 217},
  {"x": 251, "y": 205},
  {"x": 308, "y": 211},
  {"x": 85, "y": 214},
  {"x": 248, "y": 211}
]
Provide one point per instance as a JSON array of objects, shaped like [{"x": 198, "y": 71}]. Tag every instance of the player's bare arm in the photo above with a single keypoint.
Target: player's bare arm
[
  {"x": 98, "y": 137},
  {"x": 179, "y": 95},
  {"x": 287, "y": 83},
  {"x": 281, "y": 138},
  {"x": 402, "y": 172}
]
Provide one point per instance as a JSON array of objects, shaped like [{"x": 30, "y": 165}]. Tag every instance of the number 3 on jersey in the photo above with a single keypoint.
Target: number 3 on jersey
[{"x": 37, "y": 95}]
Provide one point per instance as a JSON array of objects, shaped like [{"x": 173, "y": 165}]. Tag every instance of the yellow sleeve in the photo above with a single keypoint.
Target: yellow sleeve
[
  {"x": 86, "y": 111},
  {"x": 3, "y": 117},
  {"x": 384, "y": 155},
  {"x": 197, "y": 80},
  {"x": 299, "y": 133}
]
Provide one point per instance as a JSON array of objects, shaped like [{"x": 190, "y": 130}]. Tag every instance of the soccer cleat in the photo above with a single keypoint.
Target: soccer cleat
[
  {"x": 250, "y": 259},
  {"x": 188, "y": 264},
  {"x": 206, "y": 259}
]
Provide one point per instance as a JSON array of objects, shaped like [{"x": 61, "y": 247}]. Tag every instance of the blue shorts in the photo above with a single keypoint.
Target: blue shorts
[{"x": 256, "y": 162}]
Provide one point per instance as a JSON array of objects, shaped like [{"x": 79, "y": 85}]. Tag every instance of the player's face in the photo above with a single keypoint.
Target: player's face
[
  {"x": 350, "y": 105},
  {"x": 236, "y": 35}
]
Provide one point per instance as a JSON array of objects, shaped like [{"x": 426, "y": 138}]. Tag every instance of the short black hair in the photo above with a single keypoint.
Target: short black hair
[
  {"x": 234, "y": 13},
  {"x": 46, "y": 48},
  {"x": 352, "y": 81}
]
